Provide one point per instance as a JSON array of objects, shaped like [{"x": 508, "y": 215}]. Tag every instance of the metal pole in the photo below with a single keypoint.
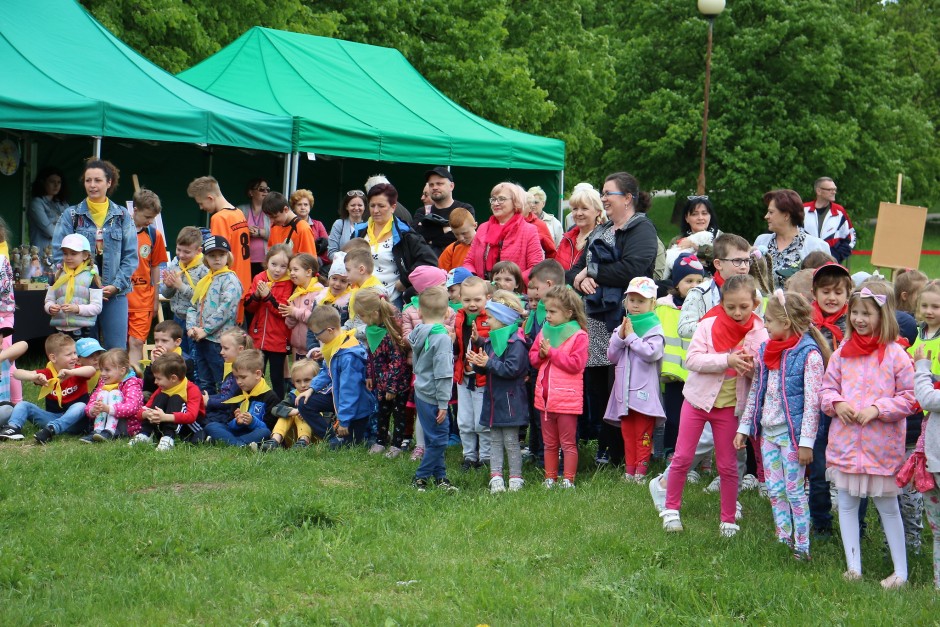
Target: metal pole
[
  {"x": 295, "y": 166},
  {"x": 97, "y": 148},
  {"x": 561, "y": 194},
  {"x": 700, "y": 188}
]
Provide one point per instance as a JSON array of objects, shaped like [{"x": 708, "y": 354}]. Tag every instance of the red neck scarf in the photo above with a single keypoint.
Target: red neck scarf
[
  {"x": 726, "y": 333},
  {"x": 496, "y": 232},
  {"x": 774, "y": 350},
  {"x": 822, "y": 321},
  {"x": 719, "y": 280},
  {"x": 861, "y": 345}
]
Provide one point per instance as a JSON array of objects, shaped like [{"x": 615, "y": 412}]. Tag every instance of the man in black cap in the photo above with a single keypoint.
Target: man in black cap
[{"x": 433, "y": 226}]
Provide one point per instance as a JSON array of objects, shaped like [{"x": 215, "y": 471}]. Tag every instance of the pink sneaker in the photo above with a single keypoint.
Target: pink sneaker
[{"x": 417, "y": 454}]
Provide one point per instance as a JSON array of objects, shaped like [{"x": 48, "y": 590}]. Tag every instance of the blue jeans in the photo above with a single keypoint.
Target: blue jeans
[
  {"x": 242, "y": 436},
  {"x": 209, "y": 365},
  {"x": 72, "y": 421},
  {"x": 820, "y": 503},
  {"x": 435, "y": 441},
  {"x": 112, "y": 323}
]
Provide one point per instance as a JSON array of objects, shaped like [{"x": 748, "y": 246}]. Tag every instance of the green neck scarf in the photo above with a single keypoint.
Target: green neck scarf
[
  {"x": 436, "y": 329},
  {"x": 471, "y": 317},
  {"x": 500, "y": 338},
  {"x": 557, "y": 334},
  {"x": 374, "y": 336},
  {"x": 412, "y": 303},
  {"x": 537, "y": 316},
  {"x": 643, "y": 322},
  {"x": 456, "y": 306}
]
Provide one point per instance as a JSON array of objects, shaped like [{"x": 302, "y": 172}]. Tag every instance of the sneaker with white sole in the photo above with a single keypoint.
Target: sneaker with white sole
[
  {"x": 376, "y": 449},
  {"x": 658, "y": 492},
  {"x": 628, "y": 478},
  {"x": 140, "y": 438},
  {"x": 693, "y": 477},
  {"x": 639, "y": 479},
  {"x": 714, "y": 486},
  {"x": 497, "y": 485},
  {"x": 762, "y": 490},
  {"x": 749, "y": 482},
  {"x": 417, "y": 454},
  {"x": 566, "y": 484},
  {"x": 166, "y": 444},
  {"x": 11, "y": 432},
  {"x": 516, "y": 483},
  {"x": 548, "y": 484},
  {"x": 728, "y": 530},
  {"x": 392, "y": 452},
  {"x": 738, "y": 510},
  {"x": 671, "y": 520}
]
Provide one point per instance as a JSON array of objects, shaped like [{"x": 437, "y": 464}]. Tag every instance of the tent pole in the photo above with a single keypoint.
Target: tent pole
[
  {"x": 286, "y": 184},
  {"x": 97, "y": 148},
  {"x": 295, "y": 166},
  {"x": 561, "y": 195}
]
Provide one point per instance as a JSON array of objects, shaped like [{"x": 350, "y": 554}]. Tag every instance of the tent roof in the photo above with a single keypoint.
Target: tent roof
[
  {"x": 361, "y": 101},
  {"x": 63, "y": 72}
]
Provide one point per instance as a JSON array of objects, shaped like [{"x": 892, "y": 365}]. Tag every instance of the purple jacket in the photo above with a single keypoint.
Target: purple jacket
[{"x": 638, "y": 362}]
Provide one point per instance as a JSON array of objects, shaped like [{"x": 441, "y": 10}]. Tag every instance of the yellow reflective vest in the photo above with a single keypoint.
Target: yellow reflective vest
[
  {"x": 933, "y": 346},
  {"x": 676, "y": 347}
]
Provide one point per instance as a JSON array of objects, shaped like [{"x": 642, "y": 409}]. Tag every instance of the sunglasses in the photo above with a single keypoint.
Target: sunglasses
[
  {"x": 356, "y": 192},
  {"x": 693, "y": 198}
]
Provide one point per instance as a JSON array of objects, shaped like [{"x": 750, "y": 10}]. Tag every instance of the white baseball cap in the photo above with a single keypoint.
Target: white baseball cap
[
  {"x": 76, "y": 242},
  {"x": 644, "y": 286}
]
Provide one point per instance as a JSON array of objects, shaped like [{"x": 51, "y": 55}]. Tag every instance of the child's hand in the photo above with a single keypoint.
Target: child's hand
[
  {"x": 544, "y": 347},
  {"x": 315, "y": 354},
  {"x": 263, "y": 290},
  {"x": 478, "y": 359},
  {"x": 474, "y": 336},
  {"x": 921, "y": 353},
  {"x": 369, "y": 384},
  {"x": 284, "y": 309},
  {"x": 303, "y": 396},
  {"x": 54, "y": 309},
  {"x": 98, "y": 408},
  {"x": 40, "y": 379},
  {"x": 867, "y": 415},
  {"x": 441, "y": 415},
  {"x": 740, "y": 441},
  {"x": 172, "y": 279},
  {"x": 157, "y": 416},
  {"x": 389, "y": 396},
  {"x": 156, "y": 352},
  {"x": 242, "y": 418},
  {"x": 293, "y": 413},
  {"x": 806, "y": 456},
  {"x": 626, "y": 328},
  {"x": 742, "y": 362},
  {"x": 342, "y": 431},
  {"x": 205, "y": 398},
  {"x": 197, "y": 333},
  {"x": 64, "y": 374},
  {"x": 844, "y": 412}
]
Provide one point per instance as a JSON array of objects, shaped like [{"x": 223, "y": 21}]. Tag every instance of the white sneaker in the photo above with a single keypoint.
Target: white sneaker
[
  {"x": 516, "y": 483},
  {"x": 714, "y": 486},
  {"x": 671, "y": 521},
  {"x": 727, "y": 530},
  {"x": 567, "y": 483},
  {"x": 658, "y": 492},
  {"x": 738, "y": 510},
  {"x": 762, "y": 490},
  {"x": 140, "y": 438},
  {"x": 628, "y": 478},
  {"x": 548, "y": 484},
  {"x": 376, "y": 449},
  {"x": 693, "y": 477},
  {"x": 497, "y": 485},
  {"x": 749, "y": 482},
  {"x": 639, "y": 479},
  {"x": 166, "y": 444}
]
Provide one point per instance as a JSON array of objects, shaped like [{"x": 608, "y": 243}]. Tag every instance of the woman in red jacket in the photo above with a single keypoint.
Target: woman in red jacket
[
  {"x": 506, "y": 236},
  {"x": 588, "y": 212}
]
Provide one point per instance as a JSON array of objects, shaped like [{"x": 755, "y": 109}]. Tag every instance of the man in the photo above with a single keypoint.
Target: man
[
  {"x": 828, "y": 221},
  {"x": 434, "y": 227}
]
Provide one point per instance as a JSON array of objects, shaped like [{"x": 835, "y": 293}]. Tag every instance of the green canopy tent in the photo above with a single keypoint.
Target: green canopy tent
[{"x": 356, "y": 101}]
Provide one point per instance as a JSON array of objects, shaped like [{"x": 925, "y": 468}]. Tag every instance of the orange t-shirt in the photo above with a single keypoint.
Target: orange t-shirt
[
  {"x": 151, "y": 255},
  {"x": 230, "y": 223},
  {"x": 453, "y": 256},
  {"x": 298, "y": 233}
]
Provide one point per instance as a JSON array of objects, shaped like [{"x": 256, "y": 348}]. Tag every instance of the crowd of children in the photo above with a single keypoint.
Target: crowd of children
[{"x": 816, "y": 385}]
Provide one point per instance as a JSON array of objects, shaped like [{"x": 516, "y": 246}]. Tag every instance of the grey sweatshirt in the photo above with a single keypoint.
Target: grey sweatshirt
[{"x": 434, "y": 366}]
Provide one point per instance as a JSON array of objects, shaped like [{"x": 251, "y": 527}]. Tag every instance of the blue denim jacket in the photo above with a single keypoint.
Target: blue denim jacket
[{"x": 119, "y": 259}]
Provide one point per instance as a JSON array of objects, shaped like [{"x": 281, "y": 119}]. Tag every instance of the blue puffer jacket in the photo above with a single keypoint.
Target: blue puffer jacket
[
  {"x": 505, "y": 401},
  {"x": 347, "y": 369},
  {"x": 792, "y": 366}
]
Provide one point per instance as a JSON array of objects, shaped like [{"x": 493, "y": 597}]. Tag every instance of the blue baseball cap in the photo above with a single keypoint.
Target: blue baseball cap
[
  {"x": 457, "y": 276},
  {"x": 88, "y": 346}
]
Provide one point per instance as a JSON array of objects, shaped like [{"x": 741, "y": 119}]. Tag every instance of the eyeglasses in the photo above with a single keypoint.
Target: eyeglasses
[
  {"x": 738, "y": 263},
  {"x": 356, "y": 192},
  {"x": 321, "y": 332},
  {"x": 263, "y": 190},
  {"x": 532, "y": 202},
  {"x": 499, "y": 200},
  {"x": 609, "y": 194},
  {"x": 696, "y": 197}
]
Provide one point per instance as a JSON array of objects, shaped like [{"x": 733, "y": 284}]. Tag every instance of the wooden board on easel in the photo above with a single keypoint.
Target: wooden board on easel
[{"x": 899, "y": 236}]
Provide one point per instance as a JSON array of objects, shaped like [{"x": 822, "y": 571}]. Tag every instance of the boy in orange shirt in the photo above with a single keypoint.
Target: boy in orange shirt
[
  {"x": 464, "y": 228},
  {"x": 142, "y": 301},
  {"x": 286, "y": 226},
  {"x": 228, "y": 222}
]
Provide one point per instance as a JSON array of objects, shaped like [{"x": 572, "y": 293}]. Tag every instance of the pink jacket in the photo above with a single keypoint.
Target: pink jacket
[
  {"x": 564, "y": 372},
  {"x": 300, "y": 309},
  {"x": 521, "y": 247},
  {"x": 707, "y": 367},
  {"x": 878, "y": 447},
  {"x": 132, "y": 399},
  {"x": 410, "y": 319}
]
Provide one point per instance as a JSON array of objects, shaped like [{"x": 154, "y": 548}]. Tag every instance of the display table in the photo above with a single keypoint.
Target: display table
[{"x": 30, "y": 320}]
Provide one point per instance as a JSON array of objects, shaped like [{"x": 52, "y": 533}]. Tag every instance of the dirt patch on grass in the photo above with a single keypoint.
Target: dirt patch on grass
[
  {"x": 177, "y": 488},
  {"x": 336, "y": 482}
]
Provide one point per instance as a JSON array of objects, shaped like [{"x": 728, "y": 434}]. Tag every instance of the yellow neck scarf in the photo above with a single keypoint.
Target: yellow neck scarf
[
  {"x": 67, "y": 278},
  {"x": 368, "y": 283},
  {"x": 186, "y": 267},
  {"x": 53, "y": 385},
  {"x": 199, "y": 292},
  {"x": 346, "y": 339},
  {"x": 178, "y": 390},
  {"x": 178, "y": 350},
  {"x": 243, "y": 398},
  {"x": 226, "y": 369},
  {"x": 331, "y": 298},
  {"x": 375, "y": 239},
  {"x": 271, "y": 281},
  {"x": 312, "y": 287},
  {"x": 98, "y": 211},
  {"x": 108, "y": 387}
]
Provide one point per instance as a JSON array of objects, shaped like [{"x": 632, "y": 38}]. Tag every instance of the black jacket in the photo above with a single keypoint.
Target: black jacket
[{"x": 636, "y": 242}]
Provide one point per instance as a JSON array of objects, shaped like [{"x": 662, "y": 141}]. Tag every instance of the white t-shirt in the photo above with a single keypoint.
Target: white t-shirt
[{"x": 385, "y": 269}]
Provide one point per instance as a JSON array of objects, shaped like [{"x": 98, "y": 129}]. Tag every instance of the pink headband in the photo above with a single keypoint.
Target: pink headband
[{"x": 782, "y": 299}]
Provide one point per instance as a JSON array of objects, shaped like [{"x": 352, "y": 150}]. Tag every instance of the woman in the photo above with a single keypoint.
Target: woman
[
  {"x": 397, "y": 249},
  {"x": 50, "y": 199},
  {"x": 535, "y": 198},
  {"x": 350, "y": 216},
  {"x": 698, "y": 216},
  {"x": 787, "y": 244},
  {"x": 110, "y": 230},
  {"x": 622, "y": 248},
  {"x": 588, "y": 212},
  {"x": 301, "y": 202},
  {"x": 259, "y": 224},
  {"x": 546, "y": 240},
  {"x": 506, "y": 236}
]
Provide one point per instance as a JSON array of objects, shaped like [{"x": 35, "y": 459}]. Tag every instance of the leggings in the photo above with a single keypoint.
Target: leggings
[
  {"x": 277, "y": 370},
  {"x": 932, "y": 505},
  {"x": 560, "y": 429},
  {"x": 785, "y": 481},
  {"x": 391, "y": 410},
  {"x": 890, "y": 522},
  {"x": 637, "y": 432},
  {"x": 505, "y": 438}
]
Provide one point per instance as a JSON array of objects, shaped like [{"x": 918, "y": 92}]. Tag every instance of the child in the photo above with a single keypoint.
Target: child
[
  {"x": 181, "y": 276},
  {"x": 720, "y": 363},
  {"x": 636, "y": 350},
  {"x": 337, "y": 291},
  {"x": 75, "y": 298},
  {"x": 292, "y": 423},
  {"x": 167, "y": 338},
  {"x": 142, "y": 301},
  {"x": 928, "y": 332},
  {"x": 359, "y": 267},
  {"x": 64, "y": 385},
  {"x": 559, "y": 351},
  {"x": 286, "y": 227},
  {"x": 422, "y": 278},
  {"x": 268, "y": 329},
  {"x": 303, "y": 274},
  {"x": 454, "y": 278},
  {"x": 505, "y": 361},
  {"x": 907, "y": 286},
  {"x": 388, "y": 374},
  {"x": 869, "y": 387},
  {"x": 89, "y": 350},
  {"x": 251, "y": 410},
  {"x": 232, "y": 342},
  {"x": 471, "y": 328},
  {"x": 928, "y": 445},
  {"x": 732, "y": 257},
  {"x": 214, "y": 306},
  {"x": 464, "y": 228},
  {"x": 433, "y": 367},
  {"x": 783, "y": 408},
  {"x": 119, "y": 396},
  {"x": 11, "y": 390},
  {"x": 507, "y": 276},
  {"x": 175, "y": 409},
  {"x": 687, "y": 272}
]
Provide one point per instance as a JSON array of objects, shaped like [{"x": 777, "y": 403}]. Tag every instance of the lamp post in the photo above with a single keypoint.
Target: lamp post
[{"x": 710, "y": 9}]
